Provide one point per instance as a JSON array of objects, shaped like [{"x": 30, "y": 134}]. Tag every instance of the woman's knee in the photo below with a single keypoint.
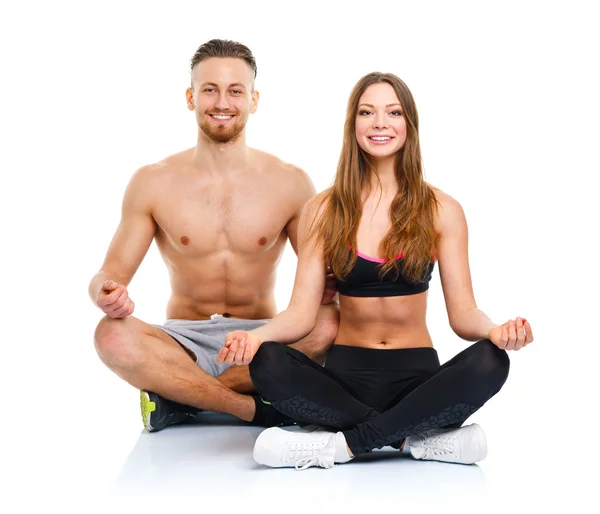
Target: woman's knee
[
  {"x": 491, "y": 363},
  {"x": 269, "y": 365}
]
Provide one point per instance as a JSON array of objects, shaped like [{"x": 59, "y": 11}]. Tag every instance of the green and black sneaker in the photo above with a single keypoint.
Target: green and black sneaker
[{"x": 158, "y": 412}]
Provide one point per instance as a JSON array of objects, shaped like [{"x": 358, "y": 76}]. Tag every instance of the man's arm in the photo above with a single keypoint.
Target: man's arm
[
  {"x": 304, "y": 189},
  {"x": 128, "y": 247}
]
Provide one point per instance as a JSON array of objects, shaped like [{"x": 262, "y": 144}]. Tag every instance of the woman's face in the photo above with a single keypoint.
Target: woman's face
[{"x": 380, "y": 123}]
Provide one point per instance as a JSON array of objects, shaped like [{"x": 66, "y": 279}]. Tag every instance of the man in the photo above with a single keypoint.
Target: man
[{"x": 220, "y": 214}]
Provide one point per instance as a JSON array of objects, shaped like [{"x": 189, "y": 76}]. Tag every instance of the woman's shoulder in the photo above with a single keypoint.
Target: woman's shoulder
[
  {"x": 449, "y": 208},
  {"x": 443, "y": 198}
]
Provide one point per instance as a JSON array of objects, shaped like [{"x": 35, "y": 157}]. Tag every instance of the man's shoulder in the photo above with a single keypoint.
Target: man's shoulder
[
  {"x": 270, "y": 163},
  {"x": 163, "y": 168},
  {"x": 276, "y": 168}
]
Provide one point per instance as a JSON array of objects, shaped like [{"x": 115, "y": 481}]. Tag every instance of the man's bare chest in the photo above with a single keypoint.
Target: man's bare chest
[{"x": 203, "y": 220}]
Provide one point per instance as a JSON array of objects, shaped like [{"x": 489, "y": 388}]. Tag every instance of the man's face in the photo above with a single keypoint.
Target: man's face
[{"x": 222, "y": 97}]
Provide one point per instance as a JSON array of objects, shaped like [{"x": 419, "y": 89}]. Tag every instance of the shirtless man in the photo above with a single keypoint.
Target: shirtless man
[{"x": 221, "y": 214}]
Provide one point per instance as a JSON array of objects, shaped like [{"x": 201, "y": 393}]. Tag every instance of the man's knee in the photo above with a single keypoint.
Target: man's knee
[
  {"x": 319, "y": 341},
  {"x": 328, "y": 321},
  {"x": 117, "y": 342}
]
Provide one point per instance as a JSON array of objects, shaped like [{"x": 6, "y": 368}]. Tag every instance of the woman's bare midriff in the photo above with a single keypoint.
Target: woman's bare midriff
[{"x": 385, "y": 323}]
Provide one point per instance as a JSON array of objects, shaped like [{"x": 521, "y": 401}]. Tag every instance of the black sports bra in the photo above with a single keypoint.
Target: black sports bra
[{"x": 364, "y": 280}]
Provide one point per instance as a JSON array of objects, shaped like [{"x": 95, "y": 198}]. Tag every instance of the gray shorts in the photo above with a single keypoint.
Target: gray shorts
[{"x": 205, "y": 338}]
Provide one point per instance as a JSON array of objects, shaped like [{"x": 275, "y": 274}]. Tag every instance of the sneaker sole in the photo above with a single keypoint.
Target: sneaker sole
[{"x": 147, "y": 407}]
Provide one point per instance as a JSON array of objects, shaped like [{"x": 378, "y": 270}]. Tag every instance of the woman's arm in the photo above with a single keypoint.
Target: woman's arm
[
  {"x": 298, "y": 320},
  {"x": 466, "y": 319}
]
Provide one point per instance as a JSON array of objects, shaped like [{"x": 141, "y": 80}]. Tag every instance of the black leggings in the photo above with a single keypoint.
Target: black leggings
[{"x": 379, "y": 397}]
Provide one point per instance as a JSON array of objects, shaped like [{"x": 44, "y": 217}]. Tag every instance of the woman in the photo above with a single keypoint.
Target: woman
[{"x": 380, "y": 228}]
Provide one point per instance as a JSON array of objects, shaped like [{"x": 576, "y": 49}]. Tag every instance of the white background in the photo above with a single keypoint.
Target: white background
[{"x": 507, "y": 94}]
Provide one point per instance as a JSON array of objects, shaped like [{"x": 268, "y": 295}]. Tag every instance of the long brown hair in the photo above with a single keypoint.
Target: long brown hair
[{"x": 411, "y": 211}]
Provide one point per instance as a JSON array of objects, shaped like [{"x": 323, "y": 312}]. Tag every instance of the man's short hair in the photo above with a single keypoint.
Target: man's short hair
[{"x": 224, "y": 48}]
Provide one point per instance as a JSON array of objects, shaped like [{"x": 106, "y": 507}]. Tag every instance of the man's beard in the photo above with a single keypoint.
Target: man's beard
[{"x": 222, "y": 133}]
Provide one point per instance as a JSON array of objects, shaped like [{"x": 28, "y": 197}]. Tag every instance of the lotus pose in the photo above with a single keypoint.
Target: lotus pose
[
  {"x": 381, "y": 229},
  {"x": 220, "y": 214}
]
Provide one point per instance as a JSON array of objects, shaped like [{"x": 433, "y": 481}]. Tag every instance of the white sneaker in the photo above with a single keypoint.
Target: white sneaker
[
  {"x": 464, "y": 445},
  {"x": 309, "y": 446}
]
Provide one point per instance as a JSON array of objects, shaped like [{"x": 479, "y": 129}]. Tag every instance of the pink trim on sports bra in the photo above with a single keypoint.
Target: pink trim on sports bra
[{"x": 376, "y": 259}]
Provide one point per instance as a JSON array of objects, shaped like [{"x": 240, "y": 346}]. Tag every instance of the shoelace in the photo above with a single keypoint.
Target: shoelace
[
  {"x": 307, "y": 462},
  {"x": 312, "y": 459},
  {"x": 437, "y": 446}
]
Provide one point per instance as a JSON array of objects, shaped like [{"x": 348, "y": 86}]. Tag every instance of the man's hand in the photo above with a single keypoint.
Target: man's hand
[
  {"x": 114, "y": 300},
  {"x": 512, "y": 335},
  {"x": 240, "y": 348}
]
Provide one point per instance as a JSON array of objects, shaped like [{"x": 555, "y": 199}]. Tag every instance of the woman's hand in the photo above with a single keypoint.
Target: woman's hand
[
  {"x": 512, "y": 335},
  {"x": 240, "y": 347}
]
